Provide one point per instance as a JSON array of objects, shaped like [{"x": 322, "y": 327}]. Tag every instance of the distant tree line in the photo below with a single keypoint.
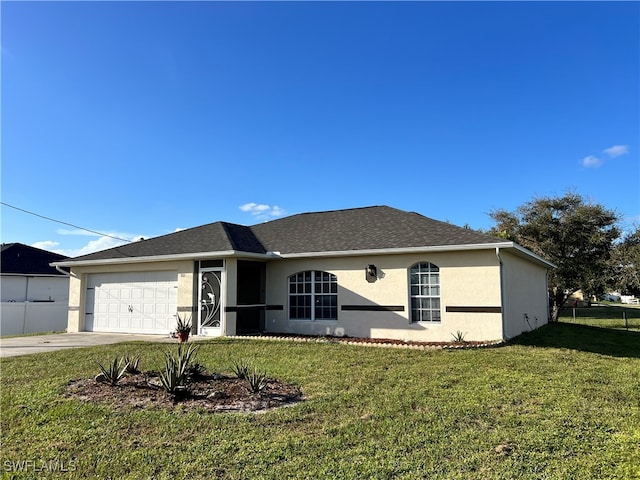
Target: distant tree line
[{"x": 583, "y": 239}]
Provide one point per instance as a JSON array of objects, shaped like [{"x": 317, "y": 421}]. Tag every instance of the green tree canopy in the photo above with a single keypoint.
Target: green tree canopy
[
  {"x": 576, "y": 235},
  {"x": 625, "y": 264}
]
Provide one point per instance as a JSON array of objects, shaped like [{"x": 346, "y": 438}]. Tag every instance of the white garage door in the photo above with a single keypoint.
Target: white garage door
[{"x": 140, "y": 302}]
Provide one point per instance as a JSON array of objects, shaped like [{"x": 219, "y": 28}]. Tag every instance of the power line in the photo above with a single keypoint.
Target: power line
[{"x": 64, "y": 223}]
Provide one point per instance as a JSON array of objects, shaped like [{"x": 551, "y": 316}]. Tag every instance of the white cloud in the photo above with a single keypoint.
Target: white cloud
[
  {"x": 261, "y": 211},
  {"x": 99, "y": 242},
  {"x": 616, "y": 150},
  {"x": 254, "y": 208},
  {"x": 276, "y": 211},
  {"x": 49, "y": 245},
  {"x": 591, "y": 162}
]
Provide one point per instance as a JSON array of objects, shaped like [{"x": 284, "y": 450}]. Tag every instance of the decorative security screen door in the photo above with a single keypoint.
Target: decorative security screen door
[{"x": 211, "y": 309}]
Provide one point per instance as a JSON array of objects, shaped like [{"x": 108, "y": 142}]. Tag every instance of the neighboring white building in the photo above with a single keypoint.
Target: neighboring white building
[
  {"x": 35, "y": 296},
  {"x": 367, "y": 272}
]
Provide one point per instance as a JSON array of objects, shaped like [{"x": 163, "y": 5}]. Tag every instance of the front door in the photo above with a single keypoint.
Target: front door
[{"x": 211, "y": 315}]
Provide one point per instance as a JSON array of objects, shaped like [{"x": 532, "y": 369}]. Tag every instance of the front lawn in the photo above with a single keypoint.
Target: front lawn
[{"x": 559, "y": 403}]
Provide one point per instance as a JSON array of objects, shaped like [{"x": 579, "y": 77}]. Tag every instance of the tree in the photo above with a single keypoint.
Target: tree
[
  {"x": 577, "y": 236},
  {"x": 625, "y": 264}
]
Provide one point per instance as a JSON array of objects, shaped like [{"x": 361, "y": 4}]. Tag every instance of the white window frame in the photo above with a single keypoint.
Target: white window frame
[
  {"x": 313, "y": 294},
  {"x": 432, "y": 295}
]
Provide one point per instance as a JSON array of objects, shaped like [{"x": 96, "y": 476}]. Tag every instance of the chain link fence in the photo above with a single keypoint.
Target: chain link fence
[{"x": 605, "y": 316}]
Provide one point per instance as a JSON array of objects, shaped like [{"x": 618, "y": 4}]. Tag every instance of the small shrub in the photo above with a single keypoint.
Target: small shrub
[
  {"x": 133, "y": 364},
  {"x": 256, "y": 380},
  {"x": 113, "y": 372},
  {"x": 241, "y": 368}
]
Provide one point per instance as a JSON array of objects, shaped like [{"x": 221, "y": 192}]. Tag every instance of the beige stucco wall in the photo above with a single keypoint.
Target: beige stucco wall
[
  {"x": 525, "y": 293},
  {"x": 78, "y": 286},
  {"x": 468, "y": 278}
]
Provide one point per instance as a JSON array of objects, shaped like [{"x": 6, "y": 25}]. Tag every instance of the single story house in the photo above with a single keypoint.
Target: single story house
[
  {"x": 374, "y": 272},
  {"x": 34, "y": 294}
]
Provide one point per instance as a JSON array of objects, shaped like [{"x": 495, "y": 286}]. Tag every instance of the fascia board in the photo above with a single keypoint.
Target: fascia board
[
  {"x": 38, "y": 275},
  {"x": 399, "y": 251},
  {"x": 161, "y": 258},
  {"x": 520, "y": 251},
  {"x": 524, "y": 252}
]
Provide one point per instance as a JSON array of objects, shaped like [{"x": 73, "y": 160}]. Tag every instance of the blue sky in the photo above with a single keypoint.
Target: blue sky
[{"x": 137, "y": 119}]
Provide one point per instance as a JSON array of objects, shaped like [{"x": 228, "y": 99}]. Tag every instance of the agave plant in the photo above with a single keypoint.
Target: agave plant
[
  {"x": 256, "y": 380},
  {"x": 241, "y": 368},
  {"x": 458, "y": 337},
  {"x": 170, "y": 378},
  {"x": 133, "y": 364},
  {"x": 113, "y": 372},
  {"x": 175, "y": 374},
  {"x": 183, "y": 328}
]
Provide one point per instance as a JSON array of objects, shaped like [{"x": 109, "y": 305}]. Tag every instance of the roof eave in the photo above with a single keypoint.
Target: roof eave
[
  {"x": 14, "y": 274},
  {"x": 399, "y": 251},
  {"x": 524, "y": 252},
  {"x": 162, "y": 258},
  {"x": 520, "y": 251}
]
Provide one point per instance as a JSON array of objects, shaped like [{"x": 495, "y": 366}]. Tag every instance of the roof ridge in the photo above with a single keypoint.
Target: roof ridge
[{"x": 322, "y": 212}]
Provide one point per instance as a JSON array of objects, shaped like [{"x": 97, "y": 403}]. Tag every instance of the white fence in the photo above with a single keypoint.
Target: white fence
[{"x": 17, "y": 318}]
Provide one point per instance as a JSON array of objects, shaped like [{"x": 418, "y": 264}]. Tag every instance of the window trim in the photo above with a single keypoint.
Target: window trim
[
  {"x": 412, "y": 311},
  {"x": 333, "y": 280}
]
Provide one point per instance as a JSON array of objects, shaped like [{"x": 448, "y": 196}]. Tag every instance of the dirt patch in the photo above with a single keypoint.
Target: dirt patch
[{"x": 214, "y": 393}]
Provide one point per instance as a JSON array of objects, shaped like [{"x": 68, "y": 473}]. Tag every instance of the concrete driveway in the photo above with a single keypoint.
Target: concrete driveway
[{"x": 14, "y": 346}]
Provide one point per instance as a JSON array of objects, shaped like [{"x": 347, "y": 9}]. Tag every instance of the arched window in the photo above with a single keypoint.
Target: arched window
[
  {"x": 313, "y": 295},
  {"x": 425, "y": 292}
]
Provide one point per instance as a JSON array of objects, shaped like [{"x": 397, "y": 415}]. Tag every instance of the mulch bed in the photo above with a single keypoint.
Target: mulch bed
[
  {"x": 213, "y": 393},
  {"x": 381, "y": 342},
  {"x": 219, "y": 393}
]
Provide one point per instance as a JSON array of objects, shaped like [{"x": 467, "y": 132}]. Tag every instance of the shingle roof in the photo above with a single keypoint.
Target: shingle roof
[
  {"x": 213, "y": 237},
  {"x": 21, "y": 259},
  {"x": 368, "y": 228}
]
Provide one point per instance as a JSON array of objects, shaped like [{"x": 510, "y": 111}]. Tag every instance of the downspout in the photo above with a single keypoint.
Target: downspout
[
  {"x": 502, "y": 296},
  {"x": 546, "y": 290}
]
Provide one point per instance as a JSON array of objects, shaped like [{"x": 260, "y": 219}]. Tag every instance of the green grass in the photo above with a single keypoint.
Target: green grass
[
  {"x": 564, "y": 399},
  {"x": 607, "y": 316}
]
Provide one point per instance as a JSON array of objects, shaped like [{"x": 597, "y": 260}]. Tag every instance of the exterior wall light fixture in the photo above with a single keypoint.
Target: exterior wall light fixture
[{"x": 371, "y": 273}]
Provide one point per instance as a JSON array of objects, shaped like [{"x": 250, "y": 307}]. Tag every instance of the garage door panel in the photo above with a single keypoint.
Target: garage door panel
[
  {"x": 139, "y": 302},
  {"x": 124, "y": 323},
  {"x": 136, "y": 323}
]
